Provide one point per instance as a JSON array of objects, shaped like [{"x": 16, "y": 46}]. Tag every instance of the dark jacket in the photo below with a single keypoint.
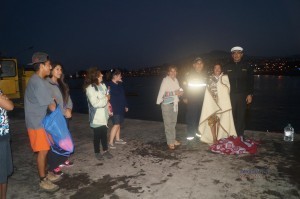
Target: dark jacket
[
  {"x": 117, "y": 98},
  {"x": 240, "y": 77}
]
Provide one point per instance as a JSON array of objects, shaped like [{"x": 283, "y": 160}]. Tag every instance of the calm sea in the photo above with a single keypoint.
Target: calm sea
[{"x": 276, "y": 101}]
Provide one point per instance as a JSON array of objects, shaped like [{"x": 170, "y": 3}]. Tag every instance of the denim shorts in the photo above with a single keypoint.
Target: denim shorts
[{"x": 117, "y": 119}]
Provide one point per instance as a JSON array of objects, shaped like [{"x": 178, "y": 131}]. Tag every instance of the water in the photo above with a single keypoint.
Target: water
[{"x": 275, "y": 102}]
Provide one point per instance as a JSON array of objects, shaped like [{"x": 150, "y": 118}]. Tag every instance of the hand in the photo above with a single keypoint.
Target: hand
[
  {"x": 68, "y": 113},
  {"x": 185, "y": 100},
  {"x": 178, "y": 93},
  {"x": 126, "y": 109},
  {"x": 52, "y": 107},
  {"x": 249, "y": 99},
  {"x": 108, "y": 97},
  {"x": 3, "y": 97}
]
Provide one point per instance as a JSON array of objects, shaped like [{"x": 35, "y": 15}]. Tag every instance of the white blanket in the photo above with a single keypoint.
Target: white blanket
[{"x": 222, "y": 109}]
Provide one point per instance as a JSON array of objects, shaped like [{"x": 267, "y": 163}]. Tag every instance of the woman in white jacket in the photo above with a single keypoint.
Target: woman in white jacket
[
  {"x": 98, "y": 98},
  {"x": 168, "y": 98}
]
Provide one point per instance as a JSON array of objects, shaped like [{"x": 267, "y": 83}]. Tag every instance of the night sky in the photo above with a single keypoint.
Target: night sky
[{"x": 139, "y": 33}]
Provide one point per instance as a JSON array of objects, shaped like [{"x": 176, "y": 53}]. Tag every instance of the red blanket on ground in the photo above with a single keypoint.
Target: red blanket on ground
[{"x": 234, "y": 145}]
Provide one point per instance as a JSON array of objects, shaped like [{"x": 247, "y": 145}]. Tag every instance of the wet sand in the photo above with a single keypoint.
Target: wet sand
[{"x": 145, "y": 168}]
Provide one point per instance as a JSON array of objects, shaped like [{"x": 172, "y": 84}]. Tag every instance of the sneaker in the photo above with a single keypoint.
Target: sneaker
[
  {"x": 67, "y": 163},
  {"x": 107, "y": 155},
  {"x": 99, "y": 156},
  {"x": 47, "y": 185},
  {"x": 57, "y": 171},
  {"x": 52, "y": 177},
  {"x": 190, "y": 138},
  {"x": 198, "y": 135},
  {"x": 111, "y": 146},
  {"x": 120, "y": 141}
]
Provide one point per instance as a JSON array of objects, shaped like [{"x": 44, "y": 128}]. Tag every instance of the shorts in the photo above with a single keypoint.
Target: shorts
[
  {"x": 6, "y": 165},
  {"x": 117, "y": 119},
  {"x": 38, "y": 140}
]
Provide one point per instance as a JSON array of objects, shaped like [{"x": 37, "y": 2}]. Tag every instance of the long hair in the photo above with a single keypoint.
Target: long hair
[
  {"x": 91, "y": 77},
  {"x": 63, "y": 87}
]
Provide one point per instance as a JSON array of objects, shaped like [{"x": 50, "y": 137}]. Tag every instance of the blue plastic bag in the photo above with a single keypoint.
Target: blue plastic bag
[{"x": 57, "y": 132}]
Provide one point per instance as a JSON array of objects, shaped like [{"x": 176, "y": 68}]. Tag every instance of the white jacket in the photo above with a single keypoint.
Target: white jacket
[{"x": 98, "y": 105}]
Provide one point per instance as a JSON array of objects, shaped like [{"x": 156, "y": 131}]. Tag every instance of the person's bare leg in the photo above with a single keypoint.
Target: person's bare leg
[
  {"x": 113, "y": 133},
  {"x": 3, "y": 189},
  {"x": 213, "y": 132},
  {"x": 41, "y": 163},
  {"x": 118, "y": 133},
  {"x": 217, "y": 129}
]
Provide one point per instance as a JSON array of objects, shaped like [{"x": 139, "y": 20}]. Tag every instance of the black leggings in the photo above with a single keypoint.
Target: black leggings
[
  {"x": 100, "y": 134},
  {"x": 54, "y": 160}
]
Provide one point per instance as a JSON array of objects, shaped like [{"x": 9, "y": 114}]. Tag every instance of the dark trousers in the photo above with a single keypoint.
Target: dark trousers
[
  {"x": 100, "y": 135},
  {"x": 54, "y": 159},
  {"x": 194, "y": 108},
  {"x": 238, "y": 103}
]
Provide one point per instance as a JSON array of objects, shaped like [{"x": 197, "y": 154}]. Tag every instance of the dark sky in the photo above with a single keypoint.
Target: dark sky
[{"x": 138, "y": 33}]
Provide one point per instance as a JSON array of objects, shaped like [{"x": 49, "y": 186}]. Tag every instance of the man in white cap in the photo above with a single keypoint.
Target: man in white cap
[{"x": 241, "y": 79}]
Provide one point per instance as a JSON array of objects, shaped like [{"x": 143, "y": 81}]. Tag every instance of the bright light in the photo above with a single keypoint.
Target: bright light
[
  {"x": 198, "y": 135},
  {"x": 190, "y": 138},
  {"x": 196, "y": 85}
]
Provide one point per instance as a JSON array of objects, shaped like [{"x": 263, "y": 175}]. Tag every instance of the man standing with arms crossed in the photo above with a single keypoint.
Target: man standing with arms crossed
[
  {"x": 37, "y": 100},
  {"x": 241, "y": 81}
]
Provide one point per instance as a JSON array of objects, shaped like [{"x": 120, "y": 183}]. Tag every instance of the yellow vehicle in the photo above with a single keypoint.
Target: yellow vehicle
[{"x": 13, "y": 81}]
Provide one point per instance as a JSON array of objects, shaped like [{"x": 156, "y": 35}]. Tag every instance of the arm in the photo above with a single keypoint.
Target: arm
[
  {"x": 94, "y": 97},
  {"x": 68, "y": 108},
  {"x": 250, "y": 85},
  {"x": 161, "y": 92},
  {"x": 6, "y": 103}
]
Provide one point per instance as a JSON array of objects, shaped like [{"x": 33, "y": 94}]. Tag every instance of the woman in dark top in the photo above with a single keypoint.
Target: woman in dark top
[{"x": 119, "y": 106}]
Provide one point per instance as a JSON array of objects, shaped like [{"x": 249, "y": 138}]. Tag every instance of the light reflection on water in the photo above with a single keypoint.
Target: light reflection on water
[{"x": 276, "y": 101}]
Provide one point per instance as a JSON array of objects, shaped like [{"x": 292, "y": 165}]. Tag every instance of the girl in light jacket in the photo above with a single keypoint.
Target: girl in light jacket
[
  {"x": 98, "y": 98},
  {"x": 168, "y": 97}
]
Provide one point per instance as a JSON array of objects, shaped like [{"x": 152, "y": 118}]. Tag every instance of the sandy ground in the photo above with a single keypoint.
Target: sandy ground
[{"x": 145, "y": 168}]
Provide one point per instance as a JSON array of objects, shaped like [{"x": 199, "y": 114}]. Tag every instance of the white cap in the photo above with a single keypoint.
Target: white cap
[{"x": 236, "y": 48}]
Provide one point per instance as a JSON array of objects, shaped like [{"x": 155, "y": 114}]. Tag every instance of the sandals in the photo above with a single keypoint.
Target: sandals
[{"x": 172, "y": 146}]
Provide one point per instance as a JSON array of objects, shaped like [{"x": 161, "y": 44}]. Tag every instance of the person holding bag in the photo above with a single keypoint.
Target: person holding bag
[{"x": 60, "y": 92}]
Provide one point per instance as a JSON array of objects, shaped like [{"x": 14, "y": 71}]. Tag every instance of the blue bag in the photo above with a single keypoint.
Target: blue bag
[{"x": 57, "y": 132}]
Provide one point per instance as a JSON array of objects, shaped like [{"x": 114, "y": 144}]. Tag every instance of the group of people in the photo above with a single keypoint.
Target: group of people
[
  {"x": 216, "y": 107},
  {"x": 46, "y": 90},
  {"x": 215, "y": 104}
]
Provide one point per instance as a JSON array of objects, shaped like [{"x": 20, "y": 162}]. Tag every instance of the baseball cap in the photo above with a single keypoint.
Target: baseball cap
[
  {"x": 39, "y": 57},
  {"x": 237, "y": 48},
  {"x": 197, "y": 59}
]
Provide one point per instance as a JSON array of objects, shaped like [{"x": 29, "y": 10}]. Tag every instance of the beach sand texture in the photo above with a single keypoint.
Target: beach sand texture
[{"x": 145, "y": 168}]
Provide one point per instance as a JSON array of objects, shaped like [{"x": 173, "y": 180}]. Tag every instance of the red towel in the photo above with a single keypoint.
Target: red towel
[{"x": 234, "y": 145}]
